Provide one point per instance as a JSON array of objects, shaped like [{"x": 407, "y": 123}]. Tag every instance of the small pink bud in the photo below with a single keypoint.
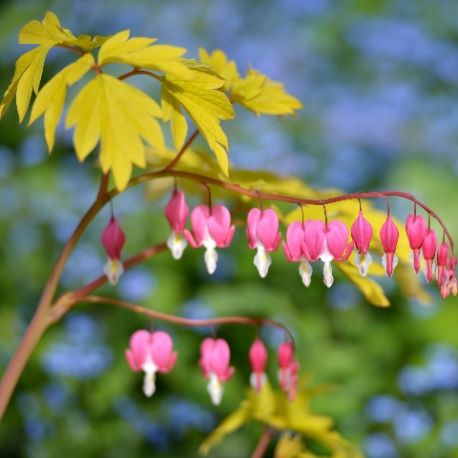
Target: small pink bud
[
  {"x": 214, "y": 361},
  {"x": 361, "y": 232},
  {"x": 288, "y": 373},
  {"x": 262, "y": 233},
  {"x": 210, "y": 229},
  {"x": 151, "y": 352},
  {"x": 258, "y": 359},
  {"x": 113, "y": 240},
  {"x": 389, "y": 235},
  {"x": 429, "y": 252},
  {"x": 177, "y": 212},
  {"x": 337, "y": 240},
  {"x": 416, "y": 231}
]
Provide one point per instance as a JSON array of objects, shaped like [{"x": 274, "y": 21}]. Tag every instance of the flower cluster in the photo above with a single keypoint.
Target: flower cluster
[
  {"x": 306, "y": 242},
  {"x": 152, "y": 352}
]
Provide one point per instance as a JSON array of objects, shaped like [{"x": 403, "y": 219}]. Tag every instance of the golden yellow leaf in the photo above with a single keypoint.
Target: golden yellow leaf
[
  {"x": 206, "y": 105},
  {"x": 289, "y": 446},
  {"x": 138, "y": 52},
  {"x": 120, "y": 116},
  {"x": 230, "y": 424},
  {"x": 51, "y": 98},
  {"x": 225, "y": 68},
  {"x": 172, "y": 113},
  {"x": 262, "y": 95},
  {"x": 87, "y": 42},
  {"x": 48, "y": 32}
]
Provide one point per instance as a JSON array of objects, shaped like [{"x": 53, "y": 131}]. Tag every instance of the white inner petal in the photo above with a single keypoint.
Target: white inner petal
[
  {"x": 305, "y": 271},
  {"x": 257, "y": 380},
  {"x": 262, "y": 260},
  {"x": 327, "y": 274},
  {"x": 215, "y": 388},
  {"x": 113, "y": 269},
  {"x": 176, "y": 244},
  {"x": 149, "y": 380},
  {"x": 363, "y": 261}
]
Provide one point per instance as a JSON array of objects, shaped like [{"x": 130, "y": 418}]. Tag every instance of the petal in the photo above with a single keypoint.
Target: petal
[
  {"x": 113, "y": 269},
  {"x": 220, "y": 357},
  {"x": 267, "y": 229},
  {"x": 314, "y": 237},
  {"x": 336, "y": 238},
  {"x": 140, "y": 346},
  {"x": 211, "y": 260},
  {"x": 199, "y": 222},
  {"x": 305, "y": 271},
  {"x": 191, "y": 240},
  {"x": 328, "y": 279},
  {"x": 389, "y": 234},
  {"x": 361, "y": 232},
  {"x": 262, "y": 261},
  {"x": 161, "y": 350},
  {"x": 253, "y": 218},
  {"x": 294, "y": 240},
  {"x": 176, "y": 244},
  {"x": 219, "y": 225},
  {"x": 177, "y": 211}
]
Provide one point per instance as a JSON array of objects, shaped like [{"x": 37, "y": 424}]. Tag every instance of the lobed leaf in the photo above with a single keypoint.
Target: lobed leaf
[
  {"x": 206, "y": 105},
  {"x": 120, "y": 116},
  {"x": 138, "y": 52},
  {"x": 51, "y": 98},
  {"x": 256, "y": 92}
]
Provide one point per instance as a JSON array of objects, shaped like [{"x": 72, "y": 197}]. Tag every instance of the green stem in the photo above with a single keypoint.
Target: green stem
[{"x": 39, "y": 322}]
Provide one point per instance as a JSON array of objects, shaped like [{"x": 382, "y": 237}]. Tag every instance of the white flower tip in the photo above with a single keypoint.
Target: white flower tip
[
  {"x": 262, "y": 261},
  {"x": 149, "y": 383},
  {"x": 305, "y": 271},
  {"x": 363, "y": 261},
  {"x": 215, "y": 389},
  {"x": 328, "y": 279},
  {"x": 257, "y": 380},
  {"x": 113, "y": 269},
  {"x": 211, "y": 259},
  {"x": 176, "y": 244}
]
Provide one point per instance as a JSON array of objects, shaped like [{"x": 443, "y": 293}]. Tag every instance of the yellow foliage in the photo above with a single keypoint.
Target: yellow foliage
[
  {"x": 138, "y": 52},
  {"x": 205, "y": 103},
  {"x": 273, "y": 409},
  {"x": 256, "y": 92},
  {"x": 120, "y": 116},
  {"x": 51, "y": 98}
]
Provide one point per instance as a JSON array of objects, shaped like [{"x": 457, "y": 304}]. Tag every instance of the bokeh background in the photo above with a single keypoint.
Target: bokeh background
[{"x": 378, "y": 80}]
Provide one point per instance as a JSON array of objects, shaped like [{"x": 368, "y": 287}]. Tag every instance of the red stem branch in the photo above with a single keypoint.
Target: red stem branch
[
  {"x": 255, "y": 194},
  {"x": 263, "y": 443}
]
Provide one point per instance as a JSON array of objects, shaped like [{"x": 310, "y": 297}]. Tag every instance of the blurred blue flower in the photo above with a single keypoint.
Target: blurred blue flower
[
  {"x": 137, "y": 285},
  {"x": 449, "y": 434},
  {"x": 380, "y": 445},
  {"x": 383, "y": 408},
  {"x": 411, "y": 425}
]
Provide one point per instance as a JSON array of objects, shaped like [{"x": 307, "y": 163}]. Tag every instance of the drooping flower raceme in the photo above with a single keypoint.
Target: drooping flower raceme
[
  {"x": 258, "y": 360},
  {"x": 288, "y": 369},
  {"x": 214, "y": 361},
  {"x": 113, "y": 239},
  {"x": 428, "y": 247},
  {"x": 361, "y": 233},
  {"x": 211, "y": 228},
  {"x": 262, "y": 234},
  {"x": 176, "y": 212},
  {"x": 416, "y": 231},
  {"x": 389, "y": 235},
  {"x": 151, "y": 352}
]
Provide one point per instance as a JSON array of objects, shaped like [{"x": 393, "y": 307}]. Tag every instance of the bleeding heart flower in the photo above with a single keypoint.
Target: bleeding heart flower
[
  {"x": 211, "y": 228},
  {"x": 288, "y": 370},
  {"x": 258, "y": 359},
  {"x": 416, "y": 231},
  {"x": 176, "y": 212},
  {"x": 113, "y": 239},
  {"x": 361, "y": 232},
  {"x": 151, "y": 352},
  {"x": 389, "y": 235},
  {"x": 294, "y": 252},
  {"x": 326, "y": 242},
  {"x": 262, "y": 233},
  {"x": 442, "y": 257},
  {"x": 450, "y": 284},
  {"x": 215, "y": 356},
  {"x": 429, "y": 246}
]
